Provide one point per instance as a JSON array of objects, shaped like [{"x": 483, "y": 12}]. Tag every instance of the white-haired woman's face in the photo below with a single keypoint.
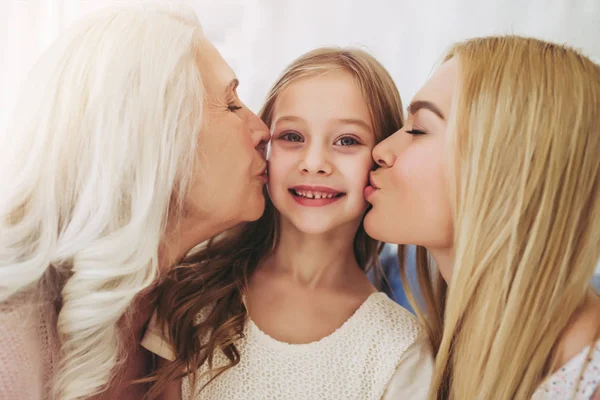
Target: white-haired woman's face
[{"x": 231, "y": 168}]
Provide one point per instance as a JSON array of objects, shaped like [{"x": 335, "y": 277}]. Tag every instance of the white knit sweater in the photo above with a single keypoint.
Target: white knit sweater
[{"x": 380, "y": 352}]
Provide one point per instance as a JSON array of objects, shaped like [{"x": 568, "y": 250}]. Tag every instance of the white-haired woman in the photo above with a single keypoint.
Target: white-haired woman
[{"x": 130, "y": 146}]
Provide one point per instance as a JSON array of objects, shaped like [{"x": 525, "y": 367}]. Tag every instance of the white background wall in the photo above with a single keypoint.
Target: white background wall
[{"x": 260, "y": 37}]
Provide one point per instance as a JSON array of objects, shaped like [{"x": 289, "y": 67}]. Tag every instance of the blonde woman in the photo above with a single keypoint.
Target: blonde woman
[
  {"x": 281, "y": 308},
  {"x": 113, "y": 170},
  {"x": 500, "y": 182}
]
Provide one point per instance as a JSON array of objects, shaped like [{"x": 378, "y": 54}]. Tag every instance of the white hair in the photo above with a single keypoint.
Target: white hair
[{"x": 99, "y": 157}]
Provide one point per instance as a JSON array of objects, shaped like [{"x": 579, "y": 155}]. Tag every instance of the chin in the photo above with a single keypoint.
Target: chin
[
  {"x": 313, "y": 229},
  {"x": 372, "y": 226},
  {"x": 313, "y": 225}
]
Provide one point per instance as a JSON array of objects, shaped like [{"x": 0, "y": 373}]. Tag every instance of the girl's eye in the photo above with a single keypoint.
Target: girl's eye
[
  {"x": 292, "y": 137},
  {"x": 415, "y": 132},
  {"x": 346, "y": 141},
  {"x": 233, "y": 107}
]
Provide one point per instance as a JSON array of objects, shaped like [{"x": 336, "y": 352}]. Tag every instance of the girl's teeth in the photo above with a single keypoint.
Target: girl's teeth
[{"x": 314, "y": 195}]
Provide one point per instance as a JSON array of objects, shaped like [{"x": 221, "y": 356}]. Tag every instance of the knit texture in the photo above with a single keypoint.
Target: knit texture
[
  {"x": 355, "y": 362},
  {"x": 30, "y": 348}
]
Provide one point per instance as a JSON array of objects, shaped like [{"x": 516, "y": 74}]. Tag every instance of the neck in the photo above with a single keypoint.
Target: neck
[
  {"x": 183, "y": 236},
  {"x": 444, "y": 259},
  {"x": 315, "y": 260}
]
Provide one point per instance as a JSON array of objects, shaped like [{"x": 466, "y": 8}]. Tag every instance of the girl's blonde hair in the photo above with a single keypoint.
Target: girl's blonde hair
[
  {"x": 98, "y": 160},
  {"x": 217, "y": 275},
  {"x": 526, "y": 199}
]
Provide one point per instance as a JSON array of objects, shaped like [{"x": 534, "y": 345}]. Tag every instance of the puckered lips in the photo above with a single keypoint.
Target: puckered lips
[{"x": 371, "y": 187}]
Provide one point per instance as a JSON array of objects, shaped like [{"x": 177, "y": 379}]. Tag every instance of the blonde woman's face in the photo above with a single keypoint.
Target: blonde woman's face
[
  {"x": 231, "y": 168},
  {"x": 410, "y": 191}
]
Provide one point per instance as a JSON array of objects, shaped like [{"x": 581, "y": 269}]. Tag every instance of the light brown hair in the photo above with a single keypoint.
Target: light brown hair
[{"x": 217, "y": 275}]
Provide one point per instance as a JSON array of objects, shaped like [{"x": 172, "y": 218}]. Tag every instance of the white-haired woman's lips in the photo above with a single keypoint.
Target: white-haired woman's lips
[{"x": 263, "y": 174}]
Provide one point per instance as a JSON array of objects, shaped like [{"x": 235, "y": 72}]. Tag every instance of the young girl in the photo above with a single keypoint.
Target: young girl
[
  {"x": 501, "y": 184},
  {"x": 293, "y": 315}
]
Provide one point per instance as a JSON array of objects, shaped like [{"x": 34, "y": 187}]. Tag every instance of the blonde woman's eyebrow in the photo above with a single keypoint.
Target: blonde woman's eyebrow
[
  {"x": 427, "y": 105},
  {"x": 232, "y": 86}
]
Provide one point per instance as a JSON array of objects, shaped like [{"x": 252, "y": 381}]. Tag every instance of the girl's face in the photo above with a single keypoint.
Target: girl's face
[
  {"x": 410, "y": 189},
  {"x": 320, "y": 153}
]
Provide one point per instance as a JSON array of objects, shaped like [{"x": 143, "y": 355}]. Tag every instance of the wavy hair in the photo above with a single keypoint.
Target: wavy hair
[
  {"x": 216, "y": 276},
  {"x": 97, "y": 162}
]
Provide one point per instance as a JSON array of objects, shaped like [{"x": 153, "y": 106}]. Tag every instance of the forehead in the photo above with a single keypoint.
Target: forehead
[
  {"x": 334, "y": 94},
  {"x": 216, "y": 73},
  {"x": 439, "y": 89}
]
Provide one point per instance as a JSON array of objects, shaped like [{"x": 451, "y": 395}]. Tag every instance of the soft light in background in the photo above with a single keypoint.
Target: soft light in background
[{"x": 260, "y": 37}]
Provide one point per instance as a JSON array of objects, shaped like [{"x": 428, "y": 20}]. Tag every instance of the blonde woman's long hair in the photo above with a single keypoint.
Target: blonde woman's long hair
[
  {"x": 217, "y": 275},
  {"x": 526, "y": 164},
  {"x": 98, "y": 160}
]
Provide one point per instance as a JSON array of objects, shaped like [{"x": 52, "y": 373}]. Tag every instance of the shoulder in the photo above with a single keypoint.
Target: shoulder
[
  {"x": 391, "y": 319},
  {"x": 21, "y": 351},
  {"x": 156, "y": 338},
  {"x": 581, "y": 332},
  {"x": 403, "y": 348},
  {"x": 389, "y": 328},
  {"x": 413, "y": 374}
]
